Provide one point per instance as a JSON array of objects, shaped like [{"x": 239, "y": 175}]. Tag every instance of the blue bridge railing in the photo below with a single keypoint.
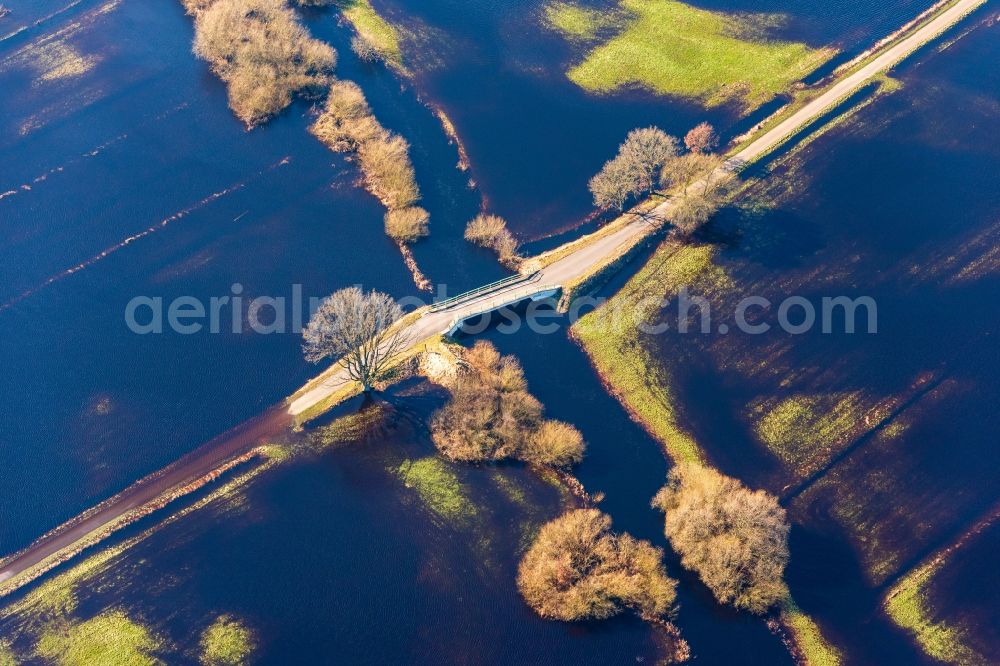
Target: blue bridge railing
[{"x": 485, "y": 289}]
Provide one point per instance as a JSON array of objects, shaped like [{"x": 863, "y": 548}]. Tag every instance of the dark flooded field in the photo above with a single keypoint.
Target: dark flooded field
[
  {"x": 963, "y": 594},
  {"x": 882, "y": 445},
  {"x": 124, "y": 173},
  {"x": 132, "y": 178},
  {"x": 533, "y": 137},
  {"x": 375, "y": 549}
]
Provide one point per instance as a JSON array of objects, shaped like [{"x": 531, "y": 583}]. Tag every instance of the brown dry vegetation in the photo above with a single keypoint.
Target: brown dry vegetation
[
  {"x": 348, "y": 125},
  {"x": 491, "y": 416},
  {"x": 578, "y": 569},
  {"x": 734, "y": 538},
  {"x": 490, "y": 231},
  {"x": 407, "y": 224},
  {"x": 262, "y": 52}
]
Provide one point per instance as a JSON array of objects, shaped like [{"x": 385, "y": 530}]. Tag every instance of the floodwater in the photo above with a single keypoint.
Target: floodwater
[
  {"x": 132, "y": 178},
  {"x": 123, "y": 174},
  {"x": 533, "y": 137},
  {"x": 899, "y": 204}
]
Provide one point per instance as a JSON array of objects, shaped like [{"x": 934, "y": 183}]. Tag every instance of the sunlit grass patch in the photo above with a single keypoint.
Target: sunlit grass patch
[
  {"x": 348, "y": 428},
  {"x": 861, "y": 500},
  {"x": 815, "y": 649},
  {"x": 438, "y": 487},
  {"x": 374, "y": 29},
  {"x": 672, "y": 48},
  {"x": 907, "y": 605},
  {"x": 61, "y": 61},
  {"x": 805, "y": 431},
  {"x": 610, "y": 335},
  {"x": 109, "y": 639},
  {"x": 57, "y": 597},
  {"x": 511, "y": 490},
  {"x": 583, "y": 23},
  {"x": 226, "y": 642}
]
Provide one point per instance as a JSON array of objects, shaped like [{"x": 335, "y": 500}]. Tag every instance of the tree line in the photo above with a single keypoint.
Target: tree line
[{"x": 650, "y": 160}]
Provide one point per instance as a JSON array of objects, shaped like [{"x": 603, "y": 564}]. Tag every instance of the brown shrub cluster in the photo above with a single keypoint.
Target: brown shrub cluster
[
  {"x": 578, "y": 569},
  {"x": 491, "y": 416},
  {"x": 347, "y": 124},
  {"x": 736, "y": 539},
  {"x": 407, "y": 224},
  {"x": 262, "y": 52},
  {"x": 490, "y": 231}
]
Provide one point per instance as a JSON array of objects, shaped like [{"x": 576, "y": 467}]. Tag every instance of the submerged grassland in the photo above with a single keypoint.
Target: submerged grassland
[
  {"x": 111, "y": 638},
  {"x": 672, "y": 48},
  {"x": 438, "y": 487},
  {"x": 908, "y": 606},
  {"x": 226, "y": 641},
  {"x": 68, "y": 621},
  {"x": 109, "y": 608},
  {"x": 375, "y": 31},
  {"x": 933, "y": 601},
  {"x": 612, "y": 338},
  {"x": 581, "y": 23}
]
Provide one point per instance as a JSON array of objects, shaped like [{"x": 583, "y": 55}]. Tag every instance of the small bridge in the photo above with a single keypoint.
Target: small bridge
[
  {"x": 484, "y": 290},
  {"x": 493, "y": 297}
]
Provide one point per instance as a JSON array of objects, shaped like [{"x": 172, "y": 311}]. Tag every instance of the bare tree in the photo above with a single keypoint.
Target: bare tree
[
  {"x": 693, "y": 211},
  {"x": 617, "y": 180},
  {"x": 648, "y": 149},
  {"x": 701, "y": 139},
  {"x": 357, "y": 329},
  {"x": 683, "y": 171},
  {"x": 736, "y": 539}
]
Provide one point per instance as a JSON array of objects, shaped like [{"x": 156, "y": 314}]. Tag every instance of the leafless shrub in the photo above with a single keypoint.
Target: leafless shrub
[
  {"x": 491, "y": 416},
  {"x": 555, "y": 444},
  {"x": 262, "y": 52},
  {"x": 347, "y": 120},
  {"x": 692, "y": 212},
  {"x": 491, "y": 231},
  {"x": 364, "y": 49},
  {"x": 348, "y": 125},
  {"x": 407, "y": 224},
  {"x": 385, "y": 163},
  {"x": 683, "y": 171},
  {"x": 701, "y": 139},
  {"x": 195, "y": 6},
  {"x": 578, "y": 569},
  {"x": 736, "y": 539}
]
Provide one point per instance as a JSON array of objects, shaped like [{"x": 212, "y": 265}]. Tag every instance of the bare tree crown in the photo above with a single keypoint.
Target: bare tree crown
[
  {"x": 701, "y": 139},
  {"x": 356, "y": 328}
]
